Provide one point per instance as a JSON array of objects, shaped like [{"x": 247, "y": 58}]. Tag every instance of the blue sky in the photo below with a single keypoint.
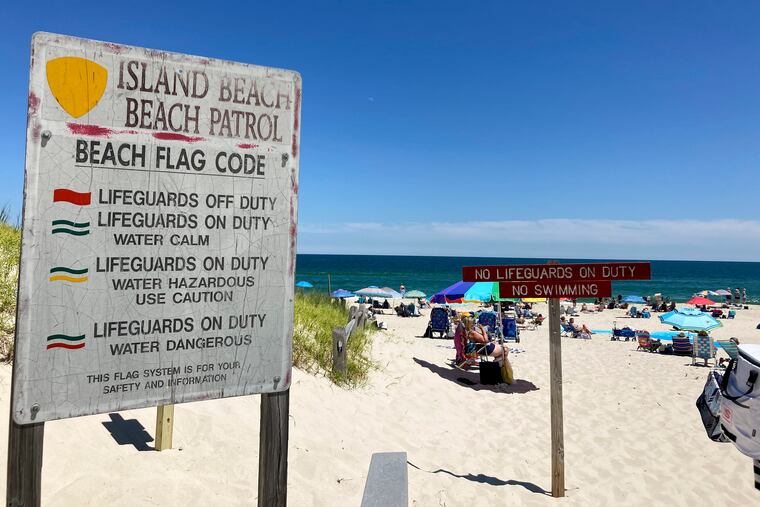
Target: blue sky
[{"x": 568, "y": 129}]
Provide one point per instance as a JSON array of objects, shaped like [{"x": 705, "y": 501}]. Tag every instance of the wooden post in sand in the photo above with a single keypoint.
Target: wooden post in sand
[
  {"x": 273, "y": 449},
  {"x": 164, "y": 427},
  {"x": 24, "y": 464},
  {"x": 555, "y": 396}
]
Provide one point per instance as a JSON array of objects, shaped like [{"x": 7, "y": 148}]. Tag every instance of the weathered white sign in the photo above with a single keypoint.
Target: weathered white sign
[{"x": 159, "y": 229}]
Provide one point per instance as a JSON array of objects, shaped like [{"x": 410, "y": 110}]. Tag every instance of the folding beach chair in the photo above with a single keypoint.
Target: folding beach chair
[
  {"x": 464, "y": 358},
  {"x": 509, "y": 327},
  {"x": 646, "y": 342},
  {"x": 731, "y": 314},
  {"x": 704, "y": 348},
  {"x": 682, "y": 346},
  {"x": 730, "y": 348},
  {"x": 488, "y": 320},
  {"x": 633, "y": 312},
  {"x": 439, "y": 322}
]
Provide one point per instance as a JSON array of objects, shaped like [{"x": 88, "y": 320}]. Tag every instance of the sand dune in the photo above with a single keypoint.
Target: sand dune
[{"x": 632, "y": 433}]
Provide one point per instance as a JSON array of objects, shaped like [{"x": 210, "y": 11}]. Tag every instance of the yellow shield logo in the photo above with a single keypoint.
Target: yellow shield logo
[{"x": 77, "y": 84}]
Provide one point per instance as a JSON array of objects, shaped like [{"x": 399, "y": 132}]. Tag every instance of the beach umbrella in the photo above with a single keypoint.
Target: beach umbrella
[
  {"x": 341, "y": 293},
  {"x": 722, "y": 292},
  {"x": 373, "y": 291},
  {"x": 706, "y": 293},
  {"x": 305, "y": 285},
  {"x": 393, "y": 294},
  {"x": 699, "y": 301},
  {"x": 482, "y": 292},
  {"x": 414, "y": 294},
  {"x": 451, "y": 294},
  {"x": 690, "y": 319},
  {"x": 633, "y": 299}
]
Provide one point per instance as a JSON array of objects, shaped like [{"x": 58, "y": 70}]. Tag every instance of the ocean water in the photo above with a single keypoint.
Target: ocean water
[{"x": 675, "y": 279}]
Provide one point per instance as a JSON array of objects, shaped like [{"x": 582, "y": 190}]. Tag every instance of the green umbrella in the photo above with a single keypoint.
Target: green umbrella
[{"x": 414, "y": 294}]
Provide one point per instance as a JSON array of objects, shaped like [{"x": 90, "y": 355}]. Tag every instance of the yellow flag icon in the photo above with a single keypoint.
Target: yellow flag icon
[{"x": 77, "y": 84}]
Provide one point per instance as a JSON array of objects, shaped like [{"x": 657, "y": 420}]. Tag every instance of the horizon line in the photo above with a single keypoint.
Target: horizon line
[{"x": 601, "y": 259}]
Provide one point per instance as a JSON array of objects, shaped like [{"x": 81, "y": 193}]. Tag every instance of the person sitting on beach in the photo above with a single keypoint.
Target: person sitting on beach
[
  {"x": 539, "y": 320},
  {"x": 584, "y": 308},
  {"x": 476, "y": 335},
  {"x": 580, "y": 328},
  {"x": 386, "y": 305}
]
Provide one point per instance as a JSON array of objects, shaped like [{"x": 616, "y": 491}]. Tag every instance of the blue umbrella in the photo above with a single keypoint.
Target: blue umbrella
[
  {"x": 305, "y": 285},
  {"x": 633, "y": 299},
  {"x": 690, "y": 319},
  {"x": 341, "y": 293}
]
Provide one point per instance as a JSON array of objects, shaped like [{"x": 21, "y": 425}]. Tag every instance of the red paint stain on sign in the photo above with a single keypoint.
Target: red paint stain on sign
[
  {"x": 171, "y": 136},
  {"x": 90, "y": 130},
  {"x": 247, "y": 146},
  {"x": 34, "y": 104}
]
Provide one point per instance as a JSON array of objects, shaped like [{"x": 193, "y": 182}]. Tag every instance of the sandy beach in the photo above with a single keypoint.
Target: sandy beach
[{"x": 632, "y": 433}]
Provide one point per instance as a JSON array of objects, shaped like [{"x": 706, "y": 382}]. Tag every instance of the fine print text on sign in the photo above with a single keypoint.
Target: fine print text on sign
[
  {"x": 159, "y": 229},
  {"x": 558, "y": 272},
  {"x": 554, "y": 289}
]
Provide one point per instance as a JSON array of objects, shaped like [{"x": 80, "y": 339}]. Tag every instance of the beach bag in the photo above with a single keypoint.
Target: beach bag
[
  {"x": 507, "y": 375},
  {"x": 708, "y": 405},
  {"x": 740, "y": 401}
]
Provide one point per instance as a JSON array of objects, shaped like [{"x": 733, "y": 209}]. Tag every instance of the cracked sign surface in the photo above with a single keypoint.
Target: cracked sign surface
[{"x": 159, "y": 229}]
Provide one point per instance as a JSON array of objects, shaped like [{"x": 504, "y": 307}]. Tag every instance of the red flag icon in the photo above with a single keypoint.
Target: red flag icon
[{"x": 66, "y": 195}]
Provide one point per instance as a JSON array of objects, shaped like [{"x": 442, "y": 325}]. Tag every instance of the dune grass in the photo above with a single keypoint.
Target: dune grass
[
  {"x": 315, "y": 318},
  {"x": 10, "y": 247}
]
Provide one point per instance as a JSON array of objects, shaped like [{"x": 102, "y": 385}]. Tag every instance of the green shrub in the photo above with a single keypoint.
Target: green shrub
[
  {"x": 315, "y": 318},
  {"x": 10, "y": 246}
]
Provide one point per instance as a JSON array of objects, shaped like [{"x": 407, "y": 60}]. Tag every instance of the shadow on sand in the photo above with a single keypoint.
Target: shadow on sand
[
  {"x": 487, "y": 479},
  {"x": 128, "y": 432},
  {"x": 471, "y": 379}
]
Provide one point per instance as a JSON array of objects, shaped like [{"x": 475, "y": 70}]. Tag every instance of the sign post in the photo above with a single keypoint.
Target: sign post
[
  {"x": 159, "y": 233},
  {"x": 554, "y": 281},
  {"x": 555, "y": 400}
]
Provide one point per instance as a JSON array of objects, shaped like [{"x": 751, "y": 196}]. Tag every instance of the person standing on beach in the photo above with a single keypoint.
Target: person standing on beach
[
  {"x": 744, "y": 296},
  {"x": 728, "y": 296},
  {"x": 737, "y": 296},
  {"x": 402, "y": 290}
]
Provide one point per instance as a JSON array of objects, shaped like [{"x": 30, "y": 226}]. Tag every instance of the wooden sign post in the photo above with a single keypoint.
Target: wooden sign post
[
  {"x": 555, "y": 400},
  {"x": 554, "y": 281}
]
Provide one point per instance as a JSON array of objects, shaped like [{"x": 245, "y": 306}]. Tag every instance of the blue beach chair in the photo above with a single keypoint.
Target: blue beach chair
[
  {"x": 488, "y": 319},
  {"x": 439, "y": 321},
  {"x": 509, "y": 327}
]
